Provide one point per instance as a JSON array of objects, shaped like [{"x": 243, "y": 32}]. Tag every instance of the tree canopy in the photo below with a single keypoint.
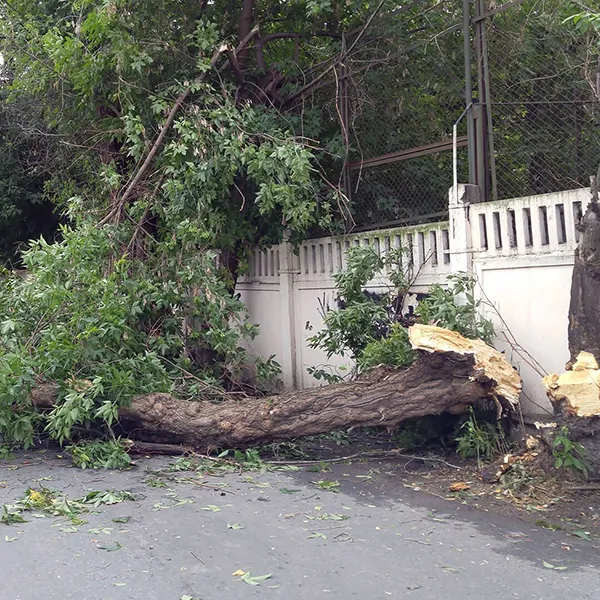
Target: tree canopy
[
  {"x": 172, "y": 136},
  {"x": 177, "y": 134}
]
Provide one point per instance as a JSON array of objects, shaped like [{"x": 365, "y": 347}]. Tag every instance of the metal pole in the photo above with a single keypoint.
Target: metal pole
[
  {"x": 482, "y": 160},
  {"x": 488, "y": 103},
  {"x": 469, "y": 88},
  {"x": 488, "y": 169},
  {"x": 454, "y": 164},
  {"x": 455, "y": 153}
]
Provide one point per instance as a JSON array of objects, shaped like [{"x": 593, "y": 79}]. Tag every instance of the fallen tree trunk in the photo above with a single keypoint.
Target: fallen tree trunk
[{"x": 449, "y": 374}]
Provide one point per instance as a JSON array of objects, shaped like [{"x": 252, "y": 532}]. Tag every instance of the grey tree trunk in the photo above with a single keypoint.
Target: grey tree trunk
[
  {"x": 584, "y": 310},
  {"x": 439, "y": 381}
]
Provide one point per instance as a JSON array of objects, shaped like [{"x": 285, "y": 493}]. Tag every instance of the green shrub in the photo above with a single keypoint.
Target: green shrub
[
  {"x": 569, "y": 454},
  {"x": 455, "y": 307},
  {"x": 394, "y": 350}
]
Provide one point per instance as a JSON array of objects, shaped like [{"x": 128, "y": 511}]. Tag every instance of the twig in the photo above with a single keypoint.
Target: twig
[
  {"x": 215, "y": 488},
  {"x": 140, "y": 224},
  {"x": 390, "y": 453},
  {"x": 336, "y": 62},
  {"x": 327, "y": 528},
  {"x": 209, "y": 386},
  {"x": 31, "y": 464},
  {"x": 416, "y": 541},
  {"x": 197, "y": 557}
]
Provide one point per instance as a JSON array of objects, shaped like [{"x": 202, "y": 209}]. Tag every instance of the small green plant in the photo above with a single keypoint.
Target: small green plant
[
  {"x": 111, "y": 454},
  {"x": 326, "y": 373},
  {"x": 480, "y": 439},
  {"x": 268, "y": 369},
  {"x": 321, "y": 467},
  {"x": 249, "y": 459},
  {"x": 394, "y": 350},
  {"x": 569, "y": 454},
  {"x": 455, "y": 307},
  {"x": 340, "y": 437},
  {"x": 285, "y": 450}
]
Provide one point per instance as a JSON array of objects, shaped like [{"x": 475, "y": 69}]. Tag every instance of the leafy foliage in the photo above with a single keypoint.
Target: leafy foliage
[
  {"x": 106, "y": 335},
  {"x": 569, "y": 454},
  {"x": 370, "y": 328},
  {"x": 455, "y": 307},
  {"x": 362, "y": 318},
  {"x": 136, "y": 295},
  {"x": 51, "y": 502},
  {"x": 393, "y": 350},
  {"x": 110, "y": 454},
  {"x": 479, "y": 439}
]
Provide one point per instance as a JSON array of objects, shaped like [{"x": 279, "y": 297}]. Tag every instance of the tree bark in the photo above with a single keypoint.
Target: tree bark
[
  {"x": 450, "y": 374},
  {"x": 584, "y": 310},
  {"x": 245, "y": 25}
]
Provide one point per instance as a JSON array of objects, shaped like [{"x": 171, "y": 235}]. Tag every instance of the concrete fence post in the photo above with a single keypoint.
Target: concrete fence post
[
  {"x": 288, "y": 324},
  {"x": 461, "y": 249}
]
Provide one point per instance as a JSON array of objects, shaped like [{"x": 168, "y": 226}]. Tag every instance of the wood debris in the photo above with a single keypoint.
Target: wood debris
[
  {"x": 489, "y": 363},
  {"x": 577, "y": 389}
]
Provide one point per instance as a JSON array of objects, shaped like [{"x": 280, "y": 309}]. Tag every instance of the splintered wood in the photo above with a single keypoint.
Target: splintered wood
[
  {"x": 489, "y": 363},
  {"x": 578, "y": 388}
]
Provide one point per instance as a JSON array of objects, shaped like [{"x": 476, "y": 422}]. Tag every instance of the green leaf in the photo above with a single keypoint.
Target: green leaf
[
  {"x": 256, "y": 579},
  {"x": 100, "y": 531},
  {"x": 234, "y": 526},
  {"x": 69, "y": 529},
  {"x": 109, "y": 547},
  {"x": 548, "y": 565},
  {"x": 331, "y": 486},
  {"x": 448, "y": 569},
  {"x": 288, "y": 491}
]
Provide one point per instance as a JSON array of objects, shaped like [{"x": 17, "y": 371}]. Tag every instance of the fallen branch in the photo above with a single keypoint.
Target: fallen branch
[{"x": 450, "y": 374}]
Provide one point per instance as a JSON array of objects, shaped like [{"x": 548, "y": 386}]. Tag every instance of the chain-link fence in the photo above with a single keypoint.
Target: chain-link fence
[
  {"x": 405, "y": 191},
  {"x": 536, "y": 103},
  {"x": 401, "y": 125},
  {"x": 545, "y": 107}
]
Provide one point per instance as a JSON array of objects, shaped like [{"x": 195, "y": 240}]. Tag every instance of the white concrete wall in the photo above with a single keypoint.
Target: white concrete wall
[
  {"x": 523, "y": 259},
  {"x": 520, "y": 251}
]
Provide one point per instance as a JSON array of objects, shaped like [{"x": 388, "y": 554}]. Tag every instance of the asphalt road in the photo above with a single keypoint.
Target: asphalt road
[{"x": 187, "y": 539}]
